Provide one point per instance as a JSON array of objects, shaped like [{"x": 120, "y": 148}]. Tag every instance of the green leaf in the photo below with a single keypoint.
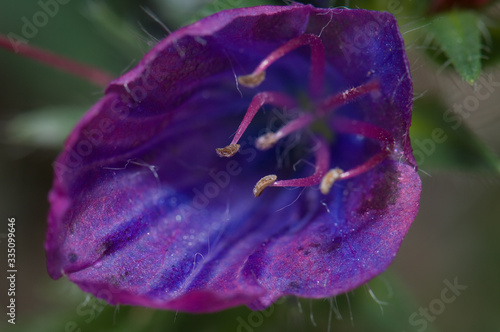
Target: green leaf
[
  {"x": 43, "y": 128},
  {"x": 457, "y": 34},
  {"x": 441, "y": 140}
]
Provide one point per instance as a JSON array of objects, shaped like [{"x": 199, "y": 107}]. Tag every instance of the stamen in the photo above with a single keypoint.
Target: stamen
[
  {"x": 322, "y": 163},
  {"x": 267, "y": 97},
  {"x": 347, "y": 96},
  {"x": 348, "y": 126},
  {"x": 366, "y": 166},
  {"x": 368, "y": 130},
  {"x": 328, "y": 180},
  {"x": 263, "y": 184},
  {"x": 317, "y": 63},
  {"x": 268, "y": 140}
]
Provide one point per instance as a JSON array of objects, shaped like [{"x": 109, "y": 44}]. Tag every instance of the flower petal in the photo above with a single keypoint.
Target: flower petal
[{"x": 144, "y": 212}]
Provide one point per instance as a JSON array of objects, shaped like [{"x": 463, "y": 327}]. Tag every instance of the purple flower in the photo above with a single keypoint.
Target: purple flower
[{"x": 145, "y": 212}]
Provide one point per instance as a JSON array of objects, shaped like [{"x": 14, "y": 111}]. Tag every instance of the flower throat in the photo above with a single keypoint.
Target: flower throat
[{"x": 324, "y": 175}]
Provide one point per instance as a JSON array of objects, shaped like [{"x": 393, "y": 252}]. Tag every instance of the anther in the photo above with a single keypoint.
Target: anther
[
  {"x": 322, "y": 155},
  {"x": 367, "y": 130},
  {"x": 329, "y": 179},
  {"x": 317, "y": 63},
  {"x": 252, "y": 80},
  {"x": 266, "y": 141},
  {"x": 228, "y": 151},
  {"x": 263, "y": 184},
  {"x": 260, "y": 99}
]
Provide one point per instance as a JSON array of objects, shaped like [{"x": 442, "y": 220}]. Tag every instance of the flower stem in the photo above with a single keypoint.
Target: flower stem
[{"x": 88, "y": 73}]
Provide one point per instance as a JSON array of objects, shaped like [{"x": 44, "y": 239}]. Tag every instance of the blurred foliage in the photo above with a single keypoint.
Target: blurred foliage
[
  {"x": 441, "y": 140},
  {"x": 381, "y": 305},
  {"x": 493, "y": 47},
  {"x": 43, "y": 128},
  {"x": 211, "y": 7}
]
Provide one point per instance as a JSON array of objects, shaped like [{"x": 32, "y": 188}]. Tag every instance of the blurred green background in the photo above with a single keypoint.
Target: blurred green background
[{"x": 455, "y": 235}]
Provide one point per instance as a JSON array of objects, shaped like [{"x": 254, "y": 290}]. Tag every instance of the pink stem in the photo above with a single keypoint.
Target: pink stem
[
  {"x": 355, "y": 127},
  {"x": 368, "y": 130},
  {"x": 266, "y": 97},
  {"x": 316, "y": 79},
  {"x": 294, "y": 125},
  {"x": 91, "y": 74},
  {"x": 366, "y": 166},
  {"x": 332, "y": 102},
  {"x": 322, "y": 164}
]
